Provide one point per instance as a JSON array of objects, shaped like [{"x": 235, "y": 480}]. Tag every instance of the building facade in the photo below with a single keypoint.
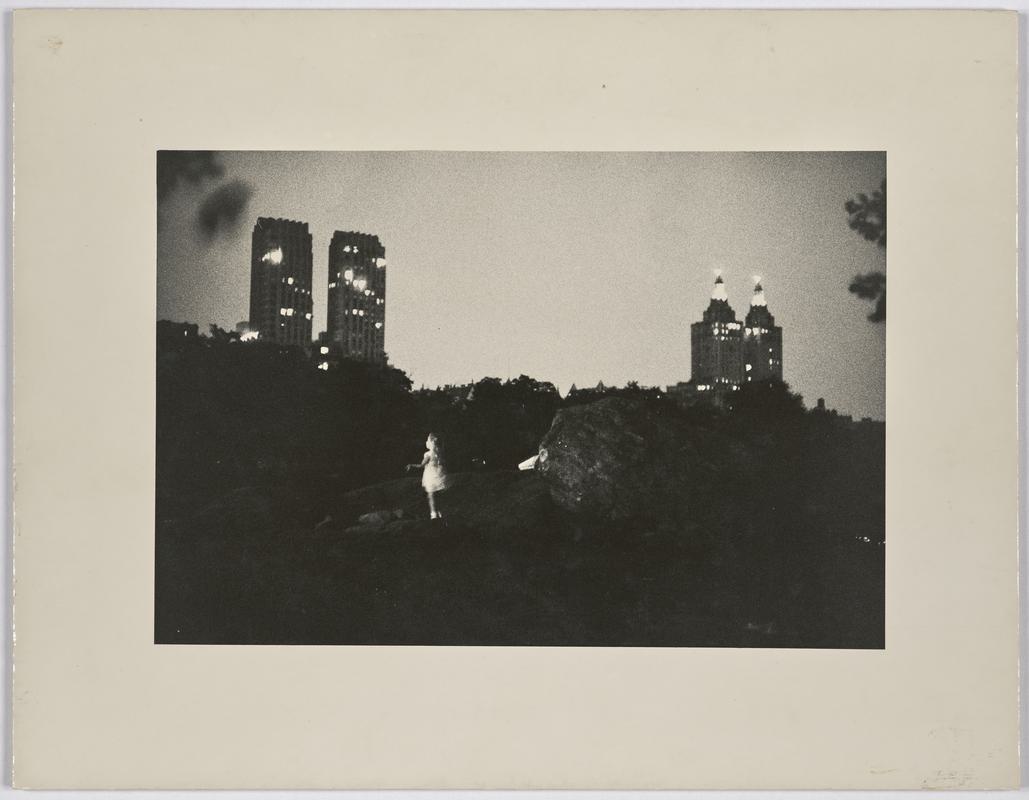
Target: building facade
[
  {"x": 356, "y": 326},
  {"x": 726, "y": 353},
  {"x": 716, "y": 344},
  {"x": 280, "y": 282},
  {"x": 762, "y": 341}
]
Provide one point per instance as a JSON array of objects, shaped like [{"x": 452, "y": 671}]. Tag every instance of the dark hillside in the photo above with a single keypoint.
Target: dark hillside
[{"x": 646, "y": 525}]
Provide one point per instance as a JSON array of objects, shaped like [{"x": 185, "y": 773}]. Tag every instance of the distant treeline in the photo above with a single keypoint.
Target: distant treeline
[{"x": 232, "y": 414}]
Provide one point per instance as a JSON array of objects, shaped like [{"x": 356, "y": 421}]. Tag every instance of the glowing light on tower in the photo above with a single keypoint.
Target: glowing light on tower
[
  {"x": 759, "y": 293},
  {"x": 280, "y": 281},
  {"x": 719, "y": 292}
]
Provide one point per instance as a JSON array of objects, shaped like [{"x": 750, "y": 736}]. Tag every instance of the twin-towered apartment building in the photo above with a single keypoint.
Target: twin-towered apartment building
[{"x": 726, "y": 353}]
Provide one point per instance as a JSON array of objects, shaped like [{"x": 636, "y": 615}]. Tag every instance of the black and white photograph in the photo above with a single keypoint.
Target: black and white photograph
[
  {"x": 451, "y": 399},
  {"x": 504, "y": 398}
]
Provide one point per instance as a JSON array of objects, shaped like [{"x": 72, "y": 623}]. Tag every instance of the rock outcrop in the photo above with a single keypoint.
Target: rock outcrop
[{"x": 621, "y": 459}]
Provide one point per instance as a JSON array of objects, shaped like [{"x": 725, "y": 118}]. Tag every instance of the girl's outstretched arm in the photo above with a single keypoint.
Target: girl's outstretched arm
[{"x": 425, "y": 460}]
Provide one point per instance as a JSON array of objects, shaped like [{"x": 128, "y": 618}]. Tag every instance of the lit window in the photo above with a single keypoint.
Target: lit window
[
  {"x": 289, "y": 312},
  {"x": 367, "y": 292},
  {"x": 289, "y": 281},
  {"x": 324, "y": 365},
  {"x": 360, "y": 284},
  {"x": 324, "y": 350},
  {"x": 346, "y": 248},
  {"x": 308, "y": 315},
  {"x": 332, "y": 285},
  {"x": 353, "y": 311},
  {"x": 361, "y": 312},
  {"x": 282, "y": 312},
  {"x": 748, "y": 367},
  {"x": 349, "y": 274},
  {"x": 378, "y": 324},
  {"x": 380, "y": 262},
  {"x": 770, "y": 362},
  {"x": 273, "y": 256}
]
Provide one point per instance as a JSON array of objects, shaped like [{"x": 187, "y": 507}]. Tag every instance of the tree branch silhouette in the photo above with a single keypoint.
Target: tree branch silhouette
[{"x": 867, "y": 217}]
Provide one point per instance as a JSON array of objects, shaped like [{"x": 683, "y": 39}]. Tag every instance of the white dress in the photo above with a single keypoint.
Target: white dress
[{"x": 434, "y": 477}]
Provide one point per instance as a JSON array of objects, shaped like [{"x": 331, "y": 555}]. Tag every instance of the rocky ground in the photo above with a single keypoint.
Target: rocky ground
[{"x": 640, "y": 527}]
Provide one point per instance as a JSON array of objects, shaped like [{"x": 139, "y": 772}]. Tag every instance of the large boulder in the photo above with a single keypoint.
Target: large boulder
[{"x": 620, "y": 459}]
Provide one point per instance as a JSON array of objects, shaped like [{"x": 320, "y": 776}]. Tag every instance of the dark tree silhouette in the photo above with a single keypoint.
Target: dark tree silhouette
[
  {"x": 221, "y": 336},
  {"x": 190, "y": 167},
  {"x": 867, "y": 217},
  {"x": 222, "y": 209},
  {"x": 872, "y": 286},
  {"x": 765, "y": 403}
]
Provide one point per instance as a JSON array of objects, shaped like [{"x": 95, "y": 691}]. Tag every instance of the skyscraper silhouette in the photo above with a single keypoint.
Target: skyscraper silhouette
[
  {"x": 356, "y": 326},
  {"x": 725, "y": 353},
  {"x": 280, "y": 282},
  {"x": 762, "y": 341},
  {"x": 716, "y": 343}
]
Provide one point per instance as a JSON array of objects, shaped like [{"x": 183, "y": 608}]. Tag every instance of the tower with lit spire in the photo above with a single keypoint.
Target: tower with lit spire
[
  {"x": 716, "y": 344},
  {"x": 762, "y": 340}
]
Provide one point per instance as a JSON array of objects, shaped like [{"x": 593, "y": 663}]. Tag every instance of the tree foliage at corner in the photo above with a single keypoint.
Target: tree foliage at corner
[{"x": 867, "y": 217}]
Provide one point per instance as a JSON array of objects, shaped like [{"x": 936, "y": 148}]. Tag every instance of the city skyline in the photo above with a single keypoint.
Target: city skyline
[{"x": 568, "y": 267}]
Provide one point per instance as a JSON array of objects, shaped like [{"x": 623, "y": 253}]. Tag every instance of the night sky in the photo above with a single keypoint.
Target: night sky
[{"x": 568, "y": 267}]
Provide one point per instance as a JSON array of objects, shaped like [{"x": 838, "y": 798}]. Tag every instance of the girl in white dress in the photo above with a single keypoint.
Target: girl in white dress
[{"x": 434, "y": 473}]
